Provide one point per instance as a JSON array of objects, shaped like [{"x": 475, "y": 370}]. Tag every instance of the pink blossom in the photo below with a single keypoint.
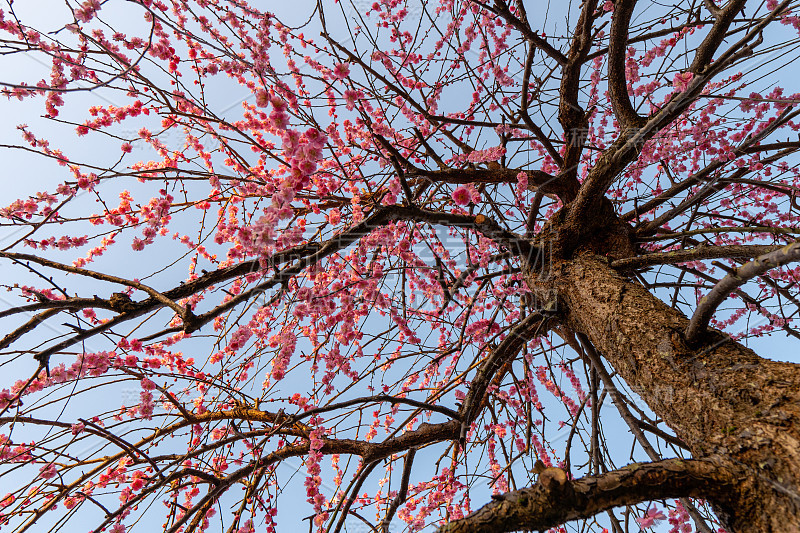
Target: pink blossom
[
  {"x": 608, "y": 6},
  {"x": 315, "y": 138},
  {"x": 78, "y": 428},
  {"x": 341, "y": 71},
  {"x": 247, "y": 527},
  {"x": 681, "y": 80},
  {"x": 334, "y": 216},
  {"x": 87, "y": 10},
  {"x": 461, "y": 196},
  {"x": 146, "y": 406},
  {"x": 522, "y": 180},
  {"x": 278, "y": 119},
  {"x": 351, "y": 97},
  {"x": 48, "y": 471},
  {"x": 650, "y": 518},
  {"x": 8, "y": 500},
  {"x": 490, "y": 154}
]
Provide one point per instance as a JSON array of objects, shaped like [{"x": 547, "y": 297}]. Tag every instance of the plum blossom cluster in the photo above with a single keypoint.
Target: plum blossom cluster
[
  {"x": 286, "y": 340},
  {"x": 21, "y": 453},
  {"x": 87, "y": 364},
  {"x": 555, "y": 390},
  {"x": 489, "y": 154},
  {"x": 442, "y": 491},
  {"x": 157, "y": 215},
  {"x": 313, "y": 480},
  {"x": 303, "y": 151},
  {"x": 465, "y": 194},
  {"x": 87, "y": 10}
]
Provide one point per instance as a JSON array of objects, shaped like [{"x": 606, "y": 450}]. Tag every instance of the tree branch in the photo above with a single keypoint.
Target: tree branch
[
  {"x": 555, "y": 499},
  {"x": 708, "y": 305},
  {"x": 617, "y": 83},
  {"x": 304, "y": 255},
  {"x": 537, "y": 179},
  {"x": 571, "y": 115},
  {"x": 508, "y": 348},
  {"x": 184, "y": 312},
  {"x": 706, "y": 173},
  {"x": 523, "y": 110},
  {"x": 696, "y": 254},
  {"x": 633, "y": 424},
  {"x": 402, "y": 494}
]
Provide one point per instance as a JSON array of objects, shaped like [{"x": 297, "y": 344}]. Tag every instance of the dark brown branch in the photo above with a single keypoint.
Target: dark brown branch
[
  {"x": 708, "y": 172},
  {"x": 361, "y": 476},
  {"x": 26, "y": 327},
  {"x": 555, "y": 499},
  {"x": 712, "y": 8},
  {"x": 380, "y": 398},
  {"x": 537, "y": 179},
  {"x": 746, "y": 298},
  {"x": 571, "y": 115},
  {"x": 617, "y": 82},
  {"x": 402, "y": 494},
  {"x": 704, "y": 53},
  {"x": 660, "y": 433},
  {"x": 725, "y": 229},
  {"x": 67, "y": 304},
  {"x": 182, "y": 312},
  {"x": 523, "y": 110},
  {"x": 654, "y": 35}
]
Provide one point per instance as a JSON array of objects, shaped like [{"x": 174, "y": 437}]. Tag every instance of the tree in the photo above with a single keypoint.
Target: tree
[{"x": 435, "y": 238}]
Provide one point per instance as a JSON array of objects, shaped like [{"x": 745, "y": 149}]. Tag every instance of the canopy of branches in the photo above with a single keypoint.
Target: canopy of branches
[{"x": 357, "y": 266}]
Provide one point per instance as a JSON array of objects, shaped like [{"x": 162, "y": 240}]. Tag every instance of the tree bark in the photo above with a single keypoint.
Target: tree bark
[{"x": 720, "y": 398}]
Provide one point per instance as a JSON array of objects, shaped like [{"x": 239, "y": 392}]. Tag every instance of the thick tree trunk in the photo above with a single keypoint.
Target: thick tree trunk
[{"x": 720, "y": 398}]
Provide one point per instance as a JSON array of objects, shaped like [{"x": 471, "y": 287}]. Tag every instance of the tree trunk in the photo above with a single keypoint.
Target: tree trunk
[{"x": 720, "y": 398}]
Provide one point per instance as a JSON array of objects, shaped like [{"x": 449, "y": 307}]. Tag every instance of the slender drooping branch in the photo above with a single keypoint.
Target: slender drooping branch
[
  {"x": 738, "y": 277},
  {"x": 184, "y": 312},
  {"x": 555, "y": 499},
  {"x": 402, "y": 494},
  {"x": 616, "y": 396}
]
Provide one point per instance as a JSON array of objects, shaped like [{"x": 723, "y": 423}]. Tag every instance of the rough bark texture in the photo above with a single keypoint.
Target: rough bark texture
[
  {"x": 720, "y": 398},
  {"x": 555, "y": 499}
]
